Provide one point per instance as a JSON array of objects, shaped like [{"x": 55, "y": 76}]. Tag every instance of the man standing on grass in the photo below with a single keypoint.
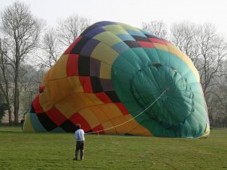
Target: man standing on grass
[{"x": 80, "y": 139}]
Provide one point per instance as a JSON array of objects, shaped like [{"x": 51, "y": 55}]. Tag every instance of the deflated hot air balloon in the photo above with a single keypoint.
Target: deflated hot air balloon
[{"x": 117, "y": 79}]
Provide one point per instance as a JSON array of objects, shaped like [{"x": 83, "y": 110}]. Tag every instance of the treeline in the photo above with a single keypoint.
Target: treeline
[{"x": 28, "y": 48}]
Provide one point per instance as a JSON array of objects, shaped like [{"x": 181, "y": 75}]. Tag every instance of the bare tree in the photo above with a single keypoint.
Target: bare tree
[
  {"x": 56, "y": 40},
  {"x": 183, "y": 35},
  {"x": 5, "y": 78},
  {"x": 156, "y": 28},
  {"x": 213, "y": 50},
  {"x": 51, "y": 48},
  {"x": 30, "y": 83},
  {"x": 22, "y": 31},
  {"x": 70, "y": 28}
]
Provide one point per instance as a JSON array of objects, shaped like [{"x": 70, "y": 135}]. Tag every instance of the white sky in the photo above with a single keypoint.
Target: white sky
[{"x": 132, "y": 12}]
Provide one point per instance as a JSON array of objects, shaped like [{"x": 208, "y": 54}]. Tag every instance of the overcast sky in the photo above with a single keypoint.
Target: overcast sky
[{"x": 132, "y": 12}]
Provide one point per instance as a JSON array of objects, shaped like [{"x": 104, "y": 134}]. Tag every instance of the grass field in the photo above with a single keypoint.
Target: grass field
[{"x": 40, "y": 151}]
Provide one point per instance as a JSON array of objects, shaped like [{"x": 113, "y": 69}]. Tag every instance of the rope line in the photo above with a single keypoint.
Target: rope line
[{"x": 121, "y": 124}]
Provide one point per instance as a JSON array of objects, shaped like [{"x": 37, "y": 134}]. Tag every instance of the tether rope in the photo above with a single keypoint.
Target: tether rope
[{"x": 113, "y": 127}]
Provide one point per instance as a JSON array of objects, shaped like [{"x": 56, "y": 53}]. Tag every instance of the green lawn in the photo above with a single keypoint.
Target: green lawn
[{"x": 53, "y": 151}]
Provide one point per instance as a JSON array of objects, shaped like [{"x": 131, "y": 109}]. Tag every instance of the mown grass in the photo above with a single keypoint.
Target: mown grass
[{"x": 53, "y": 151}]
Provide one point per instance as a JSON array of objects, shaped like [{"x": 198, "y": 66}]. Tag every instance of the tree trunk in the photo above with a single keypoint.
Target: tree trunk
[
  {"x": 10, "y": 117},
  {"x": 16, "y": 90},
  {"x": 16, "y": 100}
]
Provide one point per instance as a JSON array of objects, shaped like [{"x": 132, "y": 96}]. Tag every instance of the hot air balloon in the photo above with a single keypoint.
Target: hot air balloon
[{"x": 118, "y": 79}]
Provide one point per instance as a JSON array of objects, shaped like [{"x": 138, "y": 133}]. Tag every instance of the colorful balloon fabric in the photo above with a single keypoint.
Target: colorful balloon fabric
[{"x": 118, "y": 79}]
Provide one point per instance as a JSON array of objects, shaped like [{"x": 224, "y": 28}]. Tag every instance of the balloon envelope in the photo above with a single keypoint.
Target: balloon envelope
[{"x": 118, "y": 79}]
